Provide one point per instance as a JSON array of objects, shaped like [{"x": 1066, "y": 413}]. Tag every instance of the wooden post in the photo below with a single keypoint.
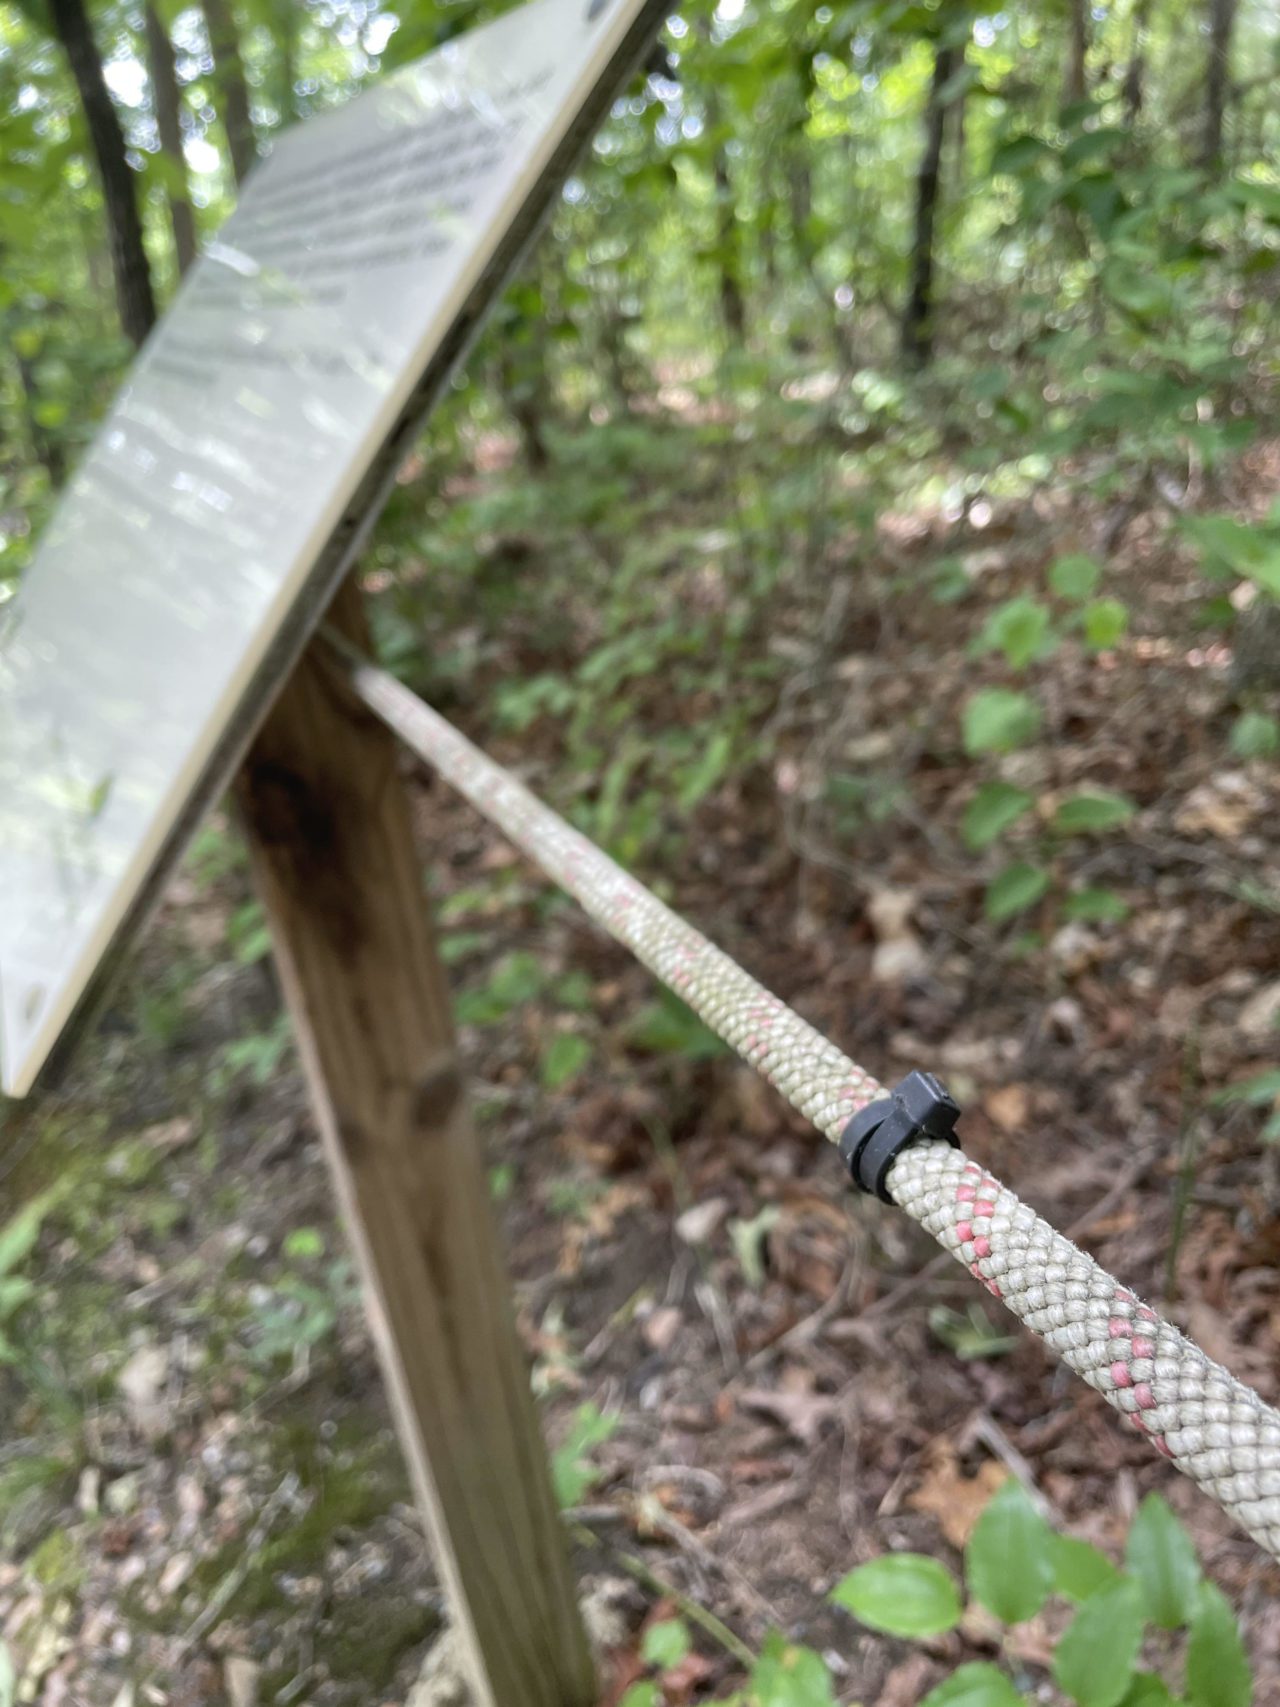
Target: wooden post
[{"x": 329, "y": 828}]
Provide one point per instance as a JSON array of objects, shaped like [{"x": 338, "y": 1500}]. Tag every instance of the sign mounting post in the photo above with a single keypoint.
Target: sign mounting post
[{"x": 336, "y": 868}]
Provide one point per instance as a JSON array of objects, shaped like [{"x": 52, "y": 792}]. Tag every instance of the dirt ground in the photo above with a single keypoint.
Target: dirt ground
[{"x": 192, "y": 1516}]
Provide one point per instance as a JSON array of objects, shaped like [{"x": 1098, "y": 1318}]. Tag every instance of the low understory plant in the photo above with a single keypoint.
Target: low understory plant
[{"x": 1150, "y": 1633}]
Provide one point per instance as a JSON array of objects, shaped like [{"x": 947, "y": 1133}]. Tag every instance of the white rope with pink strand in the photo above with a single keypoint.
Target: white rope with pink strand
[{"x": 1206, "y": 1422}]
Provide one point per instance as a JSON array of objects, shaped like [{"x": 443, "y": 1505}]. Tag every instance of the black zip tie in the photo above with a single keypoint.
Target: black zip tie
[{"x": 918, "y": 1108}]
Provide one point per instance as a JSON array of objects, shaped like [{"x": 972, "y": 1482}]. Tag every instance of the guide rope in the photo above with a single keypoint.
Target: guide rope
[{"x": 1193, "y": 1411}]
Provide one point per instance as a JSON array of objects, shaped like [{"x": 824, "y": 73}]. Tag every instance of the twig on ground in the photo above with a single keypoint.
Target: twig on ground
[
  {"x": 226, "y": 1590},
  {"x": 695, "y": 1613}
]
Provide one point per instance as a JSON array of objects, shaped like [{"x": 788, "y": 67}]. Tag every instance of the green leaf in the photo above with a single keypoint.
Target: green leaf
[
  {"x": 303, "y": 1244},
  {"x": 950, "y": 583},
  {"x": 1085, "y": 814},
  {"x": 1018, "y": 154},
  {"x": 1075, "y": 577},
  {"x": 972, "y": 1334},
  {"x": 1009, "y": 1560},
  {"x": 997, "y": 720},
  {"x": 1148, "y": 1691},
  {"x": 903, "y": 1594},
  {"x": 1251, "y": 552},
  {"x": 1094, "y": 1659},
  {"x": 1218, "y": 1673},
  {"x": 975, "y": 1685},
  {"x": 1095, "y": 906},
  {"x": 15, "y": 1290},
  {"x": 20, "y": 1232},
  {"x": 666, "y": 1026},
  {"x": 992, "y": 810},
  {"x": 565, "y": 1057},
  {"x": 1265, "y": 198},
  {"x": 1105, "y": 622},
  {"x": 1160, "y": 1555},
  {"x": 1262, "y": 1089},
  {"x": 1079, "y": 1570},
  {"x": 666, "y": 1644},
  {"x": 1136, "y": 288},
  {"x": 1020, "y": 629},
  {"x": 1255, "y": 736},
  {"x": 642, "y": 1695},
  {"x": 789, "y": 1676},
  {"x": 1018, "y": 887},
  {"x": 707, "y": 772},
  {"x": 571, "y": 1473},
  {"x": 748, "y": 1238}
]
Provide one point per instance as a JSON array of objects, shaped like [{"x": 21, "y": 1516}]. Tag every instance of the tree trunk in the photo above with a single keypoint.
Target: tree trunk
[
  {"x": 1074, "y": 87},
  {"x": 130, "y": 269},
  {"x": 1222, "y": 17},
  {"x": 46, "y": 449},
  {"x": 733, "y": 303},
  {"x": 228, "y": 67},
  {"x": 918, "y": 314},
  {"x": 1135, "y": 73},
  {"x": 168, "y": 107},
  {"x": 524, "y": 385}
]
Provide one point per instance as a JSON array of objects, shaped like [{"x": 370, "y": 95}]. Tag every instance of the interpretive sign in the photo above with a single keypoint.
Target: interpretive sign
[{"x": 241, "y": 464}]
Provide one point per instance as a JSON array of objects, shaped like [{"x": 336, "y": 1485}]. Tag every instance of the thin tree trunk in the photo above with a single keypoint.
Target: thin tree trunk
[
  {"x": 525, "y": 386},
  {"x": 733, "y": 302},
  {"x": 918, "y": 314},
  {"x": 1074, "y": 88},
  {"x": 168, "y": 108},
  {"x": 130, "y": 269},
  {"x": 46, "y": 449},
  {"x": 1222, "y": 17},
  {"x": 1135, "y": 73},
  {"x": 228, "y": 66}
]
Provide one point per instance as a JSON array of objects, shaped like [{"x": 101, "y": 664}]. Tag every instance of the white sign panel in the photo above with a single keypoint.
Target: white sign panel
[{"x": 207, "y": 522}]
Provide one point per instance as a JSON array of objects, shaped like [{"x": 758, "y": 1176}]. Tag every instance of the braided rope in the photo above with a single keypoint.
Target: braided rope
[{"x": 1210, "y": 1425}]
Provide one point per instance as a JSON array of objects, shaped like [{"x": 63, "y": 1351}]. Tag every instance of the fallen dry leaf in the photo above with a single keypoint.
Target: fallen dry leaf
[
  {"x": 142, "y": 1384},
  {"x": 803, "y": 1415},
  {"x": 1009, "y": 1107},
  {"x": 1224, "y": 807},
  {"x": 1260, "y": 1015},
  {"x": 661, "y": 1327},
  {"x": 169, "y": 1135},
  {"x": 956, "y": 1500}
]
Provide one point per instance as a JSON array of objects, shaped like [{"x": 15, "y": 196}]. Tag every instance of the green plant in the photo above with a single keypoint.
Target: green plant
[
  {"x": 1015, "y": 1563},
  {"x": 300, "y": 1309},
  {"x": 667, "y": 1026},
  {"x": 257, "y": 1056},
  {"x": 572, "y": 1472},
  {"x": 1260, "y": 1091},
  {"x": 1255, "y": 735},
  {"x": 997, "y": 721},
  {"x": 17, "y": 1240}
]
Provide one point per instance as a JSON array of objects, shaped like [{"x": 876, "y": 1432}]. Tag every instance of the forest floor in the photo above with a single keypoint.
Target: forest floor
[{"x": 201, "y": 1497}]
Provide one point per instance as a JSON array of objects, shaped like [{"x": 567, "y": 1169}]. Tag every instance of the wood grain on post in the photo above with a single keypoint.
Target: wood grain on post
[{"x": 332, "y": 846}]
